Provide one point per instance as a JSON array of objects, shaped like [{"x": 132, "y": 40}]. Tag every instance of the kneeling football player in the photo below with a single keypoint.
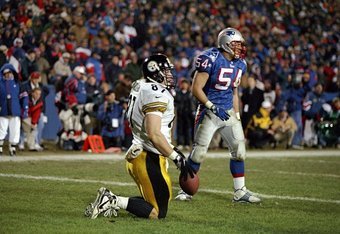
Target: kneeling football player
[{"x": 151, "y": 113}]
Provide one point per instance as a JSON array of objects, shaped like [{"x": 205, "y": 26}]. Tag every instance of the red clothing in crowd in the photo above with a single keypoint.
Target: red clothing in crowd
[{"x": 34, "y": 111}]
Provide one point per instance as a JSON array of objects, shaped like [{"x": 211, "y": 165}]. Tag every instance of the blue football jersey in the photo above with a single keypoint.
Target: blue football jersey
[{"x": 224, "y": 75}]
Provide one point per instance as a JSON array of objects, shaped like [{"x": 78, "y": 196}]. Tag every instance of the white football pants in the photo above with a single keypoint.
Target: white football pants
[{"x": 231, "y": 132}]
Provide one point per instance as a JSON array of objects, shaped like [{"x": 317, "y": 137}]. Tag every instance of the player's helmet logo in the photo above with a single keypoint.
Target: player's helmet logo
[
  {"x": 152, "y": 66},
  {"x": 229, "y": 33}
]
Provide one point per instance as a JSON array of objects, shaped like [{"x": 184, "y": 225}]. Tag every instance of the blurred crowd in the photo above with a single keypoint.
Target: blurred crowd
[{"x": 90, "y": 52}]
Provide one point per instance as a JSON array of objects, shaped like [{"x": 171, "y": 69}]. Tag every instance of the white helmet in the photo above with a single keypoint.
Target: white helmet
[{"x": 232, "y": 42}]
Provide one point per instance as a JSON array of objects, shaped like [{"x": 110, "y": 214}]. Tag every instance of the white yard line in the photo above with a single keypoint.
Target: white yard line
[
  {"x": 210, "y": 154},
  {"x": 284, "y": 153},
  {"x": 69, "y": 157},
  {"x": 295, "y": 173},
  {"x": 65, "y": 179}
]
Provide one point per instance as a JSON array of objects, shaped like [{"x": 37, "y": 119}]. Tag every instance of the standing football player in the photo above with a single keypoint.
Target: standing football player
[
  {"x": 218, "y": 73},
  {"x": 151, "y": 114}
]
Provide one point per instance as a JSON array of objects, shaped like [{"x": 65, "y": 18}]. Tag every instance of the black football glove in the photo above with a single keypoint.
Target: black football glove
[{"x": 183, "y": 165}]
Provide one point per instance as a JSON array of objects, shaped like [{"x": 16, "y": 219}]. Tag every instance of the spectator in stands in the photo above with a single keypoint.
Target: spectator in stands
[
  {"x": 37, "y": 26},
  {"x": 83, "y": 52},
  {"x": 43, "y": 66},
  {"x": 53, "y": 51},
  {"x": 17, "y": 50},
  {"x": 112, "y": 71},
  {"x": 185, "y": 115},
  {"x": 291, "y": 100},
  {"x": 34, "y": 82},
  {"x": 93, "y": 91},
  {"x": 269, "y": 93},
  {"x": 30, "y": 123},
  {"x": 251, "y": 99},
  {"x": 283, "y": 128},
  {"x": 123, "y": 87},
  {"x": 94, "y": 96},
  {"x": 70, "y": 42},
  {"x": 13, "y": 105},
  {"x": 104, "y": 86},
  {"x": 75, "y": 85},
  {"x": 28, "y": 65},
  {"x": 258, "y": 130},
  {"x": 3, "y": 55},
  {"x": 72, "y": 136},
  {"x": 92, "y": 27},
  {"x": 329, "y": 127},
  {"x": 332, "y": 82},
  {"x": 94, "y": 66},
  {"x": 106, "y": 53},
  {"x": 133, "y": 68},
  {"x": 79, "y": 30},
  {"x": 313, "y": 110},
  {"x": 111, "y": 115},
  {"x": 62, "y": 69}
]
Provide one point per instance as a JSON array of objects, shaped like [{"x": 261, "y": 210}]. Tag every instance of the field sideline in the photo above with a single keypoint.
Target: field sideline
[{"x": 47, "y": 193}]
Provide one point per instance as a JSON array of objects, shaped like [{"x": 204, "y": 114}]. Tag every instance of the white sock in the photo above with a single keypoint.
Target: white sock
[
  {"x": 239, "y": 182},
  {"x": 122, "y": 202}
]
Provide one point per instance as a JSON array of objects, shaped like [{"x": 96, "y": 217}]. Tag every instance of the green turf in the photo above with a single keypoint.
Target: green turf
[{"x": 52, "y": 206}]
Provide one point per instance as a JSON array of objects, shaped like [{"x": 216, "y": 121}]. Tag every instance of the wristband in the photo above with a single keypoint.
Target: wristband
[
  {"x": 173, "y": 155},
  {"x": 208, "y": 104},
  {"x": 238, "y": 117}
]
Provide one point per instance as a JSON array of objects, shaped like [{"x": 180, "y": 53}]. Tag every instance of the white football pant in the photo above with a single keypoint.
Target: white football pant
[{"x": 231, "y": 132}]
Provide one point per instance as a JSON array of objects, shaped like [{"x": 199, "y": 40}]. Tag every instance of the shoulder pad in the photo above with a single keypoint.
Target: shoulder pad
[{"x": 212, "y": 54}]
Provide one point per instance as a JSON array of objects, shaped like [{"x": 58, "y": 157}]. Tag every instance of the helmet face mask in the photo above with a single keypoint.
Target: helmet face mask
[
  {"x": 157, "y": 68},
  {"x": 232, "y": 42}
]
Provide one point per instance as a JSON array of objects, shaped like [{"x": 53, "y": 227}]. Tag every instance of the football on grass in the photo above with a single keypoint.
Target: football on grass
[{"x": 190, "y": 185}]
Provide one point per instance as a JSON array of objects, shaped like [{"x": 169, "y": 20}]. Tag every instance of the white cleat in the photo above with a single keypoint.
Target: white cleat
[
  {"x": 182, "y": 196},
  {"x": 245, "y": 196},
  {"x": 106, "y": 202}
]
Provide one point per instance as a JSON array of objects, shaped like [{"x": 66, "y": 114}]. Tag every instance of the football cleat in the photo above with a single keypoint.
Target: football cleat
[
  {"x": 245, "y": 196},
  {"x": 106, "y": 203},
  {"x": 183, "y": 196}
]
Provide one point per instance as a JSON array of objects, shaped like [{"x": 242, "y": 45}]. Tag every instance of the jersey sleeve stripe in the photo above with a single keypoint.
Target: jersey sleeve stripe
[{"x": 155, "y": 106}]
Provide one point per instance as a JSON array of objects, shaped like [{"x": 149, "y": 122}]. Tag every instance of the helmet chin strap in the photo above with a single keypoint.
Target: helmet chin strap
[{"x": 157, "y": 82}]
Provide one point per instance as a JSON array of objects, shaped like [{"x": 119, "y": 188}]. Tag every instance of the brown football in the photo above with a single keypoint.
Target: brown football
[{"x": 190, "y": 185}]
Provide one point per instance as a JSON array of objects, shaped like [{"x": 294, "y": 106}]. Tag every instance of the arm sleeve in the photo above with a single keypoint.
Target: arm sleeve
[{"x": 203, "y": 63}]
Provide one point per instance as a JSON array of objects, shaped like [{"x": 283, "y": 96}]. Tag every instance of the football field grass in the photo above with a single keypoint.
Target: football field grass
[{"x": 48, "y": 195}]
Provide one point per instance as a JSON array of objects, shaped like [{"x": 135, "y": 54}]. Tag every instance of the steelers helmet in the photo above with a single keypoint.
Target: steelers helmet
[{"x": 157, "y": 68}]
